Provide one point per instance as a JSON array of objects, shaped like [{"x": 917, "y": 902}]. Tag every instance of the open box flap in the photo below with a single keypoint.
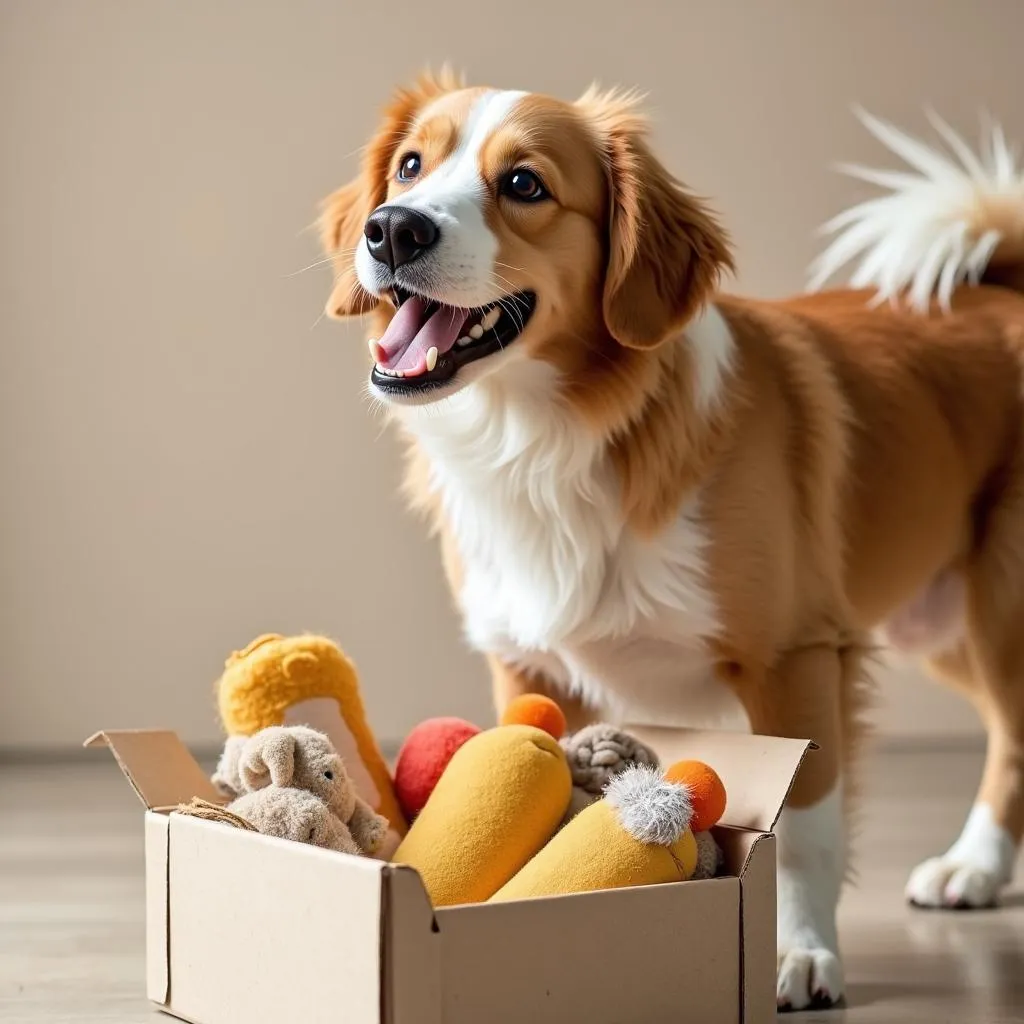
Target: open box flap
[
  {"x": 758, "y": 771},
  {"x": 158, "y": 765}
]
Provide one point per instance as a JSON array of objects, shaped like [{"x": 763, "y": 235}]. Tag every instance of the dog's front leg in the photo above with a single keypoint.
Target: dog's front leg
[
  {"x": 511, "y": 681},
  {"x": 803, "y": 696}
]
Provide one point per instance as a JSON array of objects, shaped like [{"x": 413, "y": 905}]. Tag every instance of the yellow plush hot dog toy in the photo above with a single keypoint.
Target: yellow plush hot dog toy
[
  {"x": 307, "y": 680},
  {"x": 638, "y": 834},
  {"x": 500, "y": 799}
]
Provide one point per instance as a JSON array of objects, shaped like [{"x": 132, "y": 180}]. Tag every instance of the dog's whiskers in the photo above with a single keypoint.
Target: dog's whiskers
[{"x": 337, "y": 254}]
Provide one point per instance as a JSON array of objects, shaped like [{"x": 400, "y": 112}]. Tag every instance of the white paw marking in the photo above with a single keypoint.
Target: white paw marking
[
  {"x": 972, "y": 872},
  {"x": 808, "y": 977},
  {"x": 940, "y": 882},
  {"x": 811, "y": 861}
]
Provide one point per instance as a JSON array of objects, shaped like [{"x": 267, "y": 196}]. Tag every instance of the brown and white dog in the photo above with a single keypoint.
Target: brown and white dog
[{"x": 662, "y": 502}]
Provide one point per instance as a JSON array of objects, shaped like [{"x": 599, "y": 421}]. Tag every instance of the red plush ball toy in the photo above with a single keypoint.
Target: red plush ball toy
[{"x": 424, "y": 756}]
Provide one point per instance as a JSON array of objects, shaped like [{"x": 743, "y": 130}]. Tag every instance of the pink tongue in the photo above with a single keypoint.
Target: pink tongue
[{"x": 408, "y": 338}]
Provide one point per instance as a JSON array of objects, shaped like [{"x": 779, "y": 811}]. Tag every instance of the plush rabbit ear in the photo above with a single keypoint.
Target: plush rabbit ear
[{"x": 268, "y": 759}]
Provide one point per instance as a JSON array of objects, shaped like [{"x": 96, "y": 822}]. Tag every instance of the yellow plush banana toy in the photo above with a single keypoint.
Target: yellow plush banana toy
[
  {"x": 501, "y": 798},
  {"x": 638, "y": 834}
]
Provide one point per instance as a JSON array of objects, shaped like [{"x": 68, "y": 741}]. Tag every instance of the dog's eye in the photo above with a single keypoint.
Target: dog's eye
[
  {"x": 409, "y": 168},
  {"x": 329, "y": 775},
  {"x": 524, "y": 185}
]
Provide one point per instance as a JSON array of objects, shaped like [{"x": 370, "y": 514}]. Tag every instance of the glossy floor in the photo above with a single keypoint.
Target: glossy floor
[{"x": 71, "y": 927}]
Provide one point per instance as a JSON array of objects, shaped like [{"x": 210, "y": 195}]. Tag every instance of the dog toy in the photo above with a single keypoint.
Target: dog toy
[
  {"x": 637, "y": 834},
  {"x": 500, "y": 799},
  {"x": 423, "y": 758},
  {"x": 281, "y": 760},
  {"x": 707, "y": 792},
  {"x": 285, "y": 813},
  {"x": 537, "y": 710},
  {"x": 296, "y": 814},
  {"x": 595, "y": 754},
  {"x": 307, "y": 680},
  {"x": 225, "y": 777},
  {"x": 709, "y": 856}
]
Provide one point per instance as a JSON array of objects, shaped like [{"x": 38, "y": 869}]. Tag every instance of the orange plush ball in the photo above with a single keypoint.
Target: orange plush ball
[
  {"x": 707, "y": 792},
  {"x": 537, "y": 710}
]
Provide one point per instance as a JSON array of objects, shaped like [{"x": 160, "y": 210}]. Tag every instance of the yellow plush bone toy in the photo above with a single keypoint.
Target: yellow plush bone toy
[
  {"x": 307, "y": 680},
  {"x": 637, "y": 834},
  {"x": 502, "y": 797}
]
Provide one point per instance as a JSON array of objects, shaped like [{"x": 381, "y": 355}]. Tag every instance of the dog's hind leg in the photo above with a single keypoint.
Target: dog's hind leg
[
  {"x": 988, "y": 666},
  {"x": 980, "y": 862}
]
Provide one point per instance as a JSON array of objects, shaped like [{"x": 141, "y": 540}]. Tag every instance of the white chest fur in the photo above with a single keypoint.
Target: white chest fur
[{"x": 553, "y": 580}]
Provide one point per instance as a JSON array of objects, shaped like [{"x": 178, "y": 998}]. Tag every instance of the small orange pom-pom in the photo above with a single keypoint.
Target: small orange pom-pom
[
  {"x": 537, "y": 710},
  {"x": 707, "y": 792}
]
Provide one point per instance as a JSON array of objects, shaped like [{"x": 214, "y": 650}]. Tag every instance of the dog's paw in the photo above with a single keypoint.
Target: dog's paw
[
  {"x": 811, "y": 976},
  {"x": 947, "y": 882},
  {"x": 972, "y": 872}
]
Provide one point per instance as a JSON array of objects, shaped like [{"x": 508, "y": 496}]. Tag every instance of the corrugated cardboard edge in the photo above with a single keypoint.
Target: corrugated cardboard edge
[
  {"x": 411, "y": 947},
  {"x": 758, "y": 771},
  {"x": 158, "y": 933},
  {"x": 163, "y": 773},
  {"x": 754, "y": 853},
  {"x": 759, "y": 946}
]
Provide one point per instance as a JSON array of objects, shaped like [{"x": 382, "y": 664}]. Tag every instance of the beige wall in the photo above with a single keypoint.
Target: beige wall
[{"x": 185, "y": 455}]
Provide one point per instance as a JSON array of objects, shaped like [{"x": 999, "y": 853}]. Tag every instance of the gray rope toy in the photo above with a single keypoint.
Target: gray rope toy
[{"x": 595, "y": 754}]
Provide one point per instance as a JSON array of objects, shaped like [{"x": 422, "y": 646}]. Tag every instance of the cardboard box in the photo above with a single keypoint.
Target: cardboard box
[{"x": 245, "y": 927}]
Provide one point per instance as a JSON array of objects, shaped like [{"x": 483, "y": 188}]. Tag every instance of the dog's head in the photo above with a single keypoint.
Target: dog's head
[{"x": 489, "y": 226}]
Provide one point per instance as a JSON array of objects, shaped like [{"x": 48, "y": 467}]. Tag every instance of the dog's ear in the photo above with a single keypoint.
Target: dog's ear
[
  {"x": 666, "y": 251},
  {"x": 342, "y": 216},
  {"x": 344, "y": 212}
]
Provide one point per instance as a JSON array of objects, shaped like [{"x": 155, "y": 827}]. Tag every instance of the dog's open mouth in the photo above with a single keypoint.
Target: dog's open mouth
[{"x": 426, "y": 343}]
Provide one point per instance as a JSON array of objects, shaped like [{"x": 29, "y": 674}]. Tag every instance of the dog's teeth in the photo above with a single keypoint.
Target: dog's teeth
[
  {"x": 463, "y": 342},
  {"x": 476, "y": 331},
  {"x": 492, "y": 316},
  {"x": 399, "y": 373},
  {"x": 431, "y": 358}
]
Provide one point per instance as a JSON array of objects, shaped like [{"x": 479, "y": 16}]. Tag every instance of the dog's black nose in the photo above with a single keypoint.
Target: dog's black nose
[{"x": 396, "y": 235}]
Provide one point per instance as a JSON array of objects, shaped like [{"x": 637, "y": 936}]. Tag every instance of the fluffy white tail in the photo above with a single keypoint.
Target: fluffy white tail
[{"x": 944, "y": 220}]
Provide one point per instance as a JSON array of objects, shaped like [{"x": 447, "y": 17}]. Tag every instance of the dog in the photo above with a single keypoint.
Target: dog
[{"x": 658, "y": 501}]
